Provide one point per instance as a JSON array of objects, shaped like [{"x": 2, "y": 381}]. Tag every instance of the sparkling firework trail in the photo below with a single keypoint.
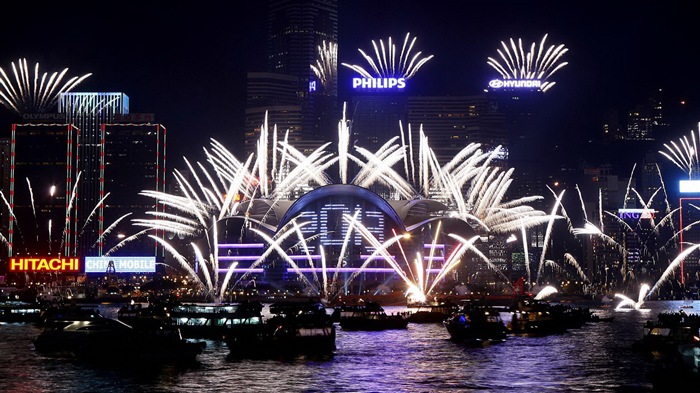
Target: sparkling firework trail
[
  {"x": 207, "y": 195},
  {"x": 326, "y": 66},
  {"x": 684, "y": 154},
  {"x": 386, "y": 65},
  {"x": 36, "y": 93},
  {"x": 537, "y": 64}
]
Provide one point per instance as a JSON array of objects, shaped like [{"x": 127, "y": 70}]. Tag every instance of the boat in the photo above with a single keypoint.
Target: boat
[
  {"x": 293, "y": 329},
  {"x": 137, "y": 316},
  {"x": 19, "y": 311},
  {"x": 368, "y": 316},
  {"x": 60, "y": 312},
  {"x": 530, "y": 316},
  {"x": 435, "y": 312},
  {"x": 672, "y": 341},
  {"x": 475, "y": 324},
  {"x": 108, "y": 340},
  {"x": 16, "y": 307},
  {"x": 668, "y": 332},
  {"x": 211, "y": 320}
]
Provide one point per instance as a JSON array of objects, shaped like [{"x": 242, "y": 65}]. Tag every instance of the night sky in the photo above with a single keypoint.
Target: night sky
[{"x": 187, "y": 62}]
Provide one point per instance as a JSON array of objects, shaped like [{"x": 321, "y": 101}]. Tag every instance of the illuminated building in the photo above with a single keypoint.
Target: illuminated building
[
  {"x": 274, "y": 96},
  {"x": 41, "y": 180},
  {"x": 87, "y": 112},
  {"x": 68, "y": 186},
  {"x": 452, "y": 122},
  {"x": 296, "y": 29},
  {"x": 322, "y": 211},
  {"x": 134, "y": 160}
]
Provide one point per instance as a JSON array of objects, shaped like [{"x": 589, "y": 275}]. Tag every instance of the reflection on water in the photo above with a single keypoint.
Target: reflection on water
[{"x": 598, "y": 357}]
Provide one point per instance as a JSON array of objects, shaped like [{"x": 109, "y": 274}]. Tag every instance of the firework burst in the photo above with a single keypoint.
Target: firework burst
[
  {"x": 385, "y": 63},
  {"x": 34, "y": 93},
  {"x": 538, "y": 63},
  {"x": 684, "y": 154},
  {"x": 326, "y": 66}
]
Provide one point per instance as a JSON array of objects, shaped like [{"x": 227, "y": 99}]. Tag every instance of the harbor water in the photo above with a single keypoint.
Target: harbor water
[{"x": 599, "y": 357}]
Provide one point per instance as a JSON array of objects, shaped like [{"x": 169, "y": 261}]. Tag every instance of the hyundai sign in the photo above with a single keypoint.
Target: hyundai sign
[
  {"x": 121, "y": 264},
  {"x": 378, "y": 83},
  {"x": 509, "y": 84}
]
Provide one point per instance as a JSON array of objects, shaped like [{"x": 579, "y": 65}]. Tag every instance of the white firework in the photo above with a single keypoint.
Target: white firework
[
  {"x": 684, "y": 154},
  {"x": 385, "y": 64},
  {"x": 36, "y": 93},
  {"x": 326, "y": 66},
  {"x": 538, "y": 63},
  {"x": 229, "y": 188}
]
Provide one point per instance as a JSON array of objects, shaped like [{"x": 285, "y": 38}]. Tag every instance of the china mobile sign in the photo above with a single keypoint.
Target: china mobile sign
[
  {"x": 45, "y": 264},
  {"x": 636, "y": 214},
  {"x": 121, "y": 264}
]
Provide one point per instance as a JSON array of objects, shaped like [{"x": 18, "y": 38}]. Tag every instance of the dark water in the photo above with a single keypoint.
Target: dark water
[{"x": 596, "y": 358}]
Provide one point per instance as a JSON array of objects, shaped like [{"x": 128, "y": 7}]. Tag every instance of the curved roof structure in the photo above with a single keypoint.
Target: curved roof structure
[{"x": 341, "y": 190}]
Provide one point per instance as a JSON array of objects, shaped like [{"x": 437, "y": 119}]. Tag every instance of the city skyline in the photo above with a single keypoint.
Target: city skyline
[{"x": 188, "y": 65}]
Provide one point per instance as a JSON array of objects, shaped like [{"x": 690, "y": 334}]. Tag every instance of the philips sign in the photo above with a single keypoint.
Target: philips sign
[
  {"x": 121, "y": 264},
  {"x": 378, "y": 83},
  {"x": 515, "y": 84}
]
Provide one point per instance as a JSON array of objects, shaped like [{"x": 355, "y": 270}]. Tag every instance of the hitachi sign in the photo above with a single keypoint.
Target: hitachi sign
[
  {"x": 44, "y": 264},
  {"x": 378, "y": 83}
]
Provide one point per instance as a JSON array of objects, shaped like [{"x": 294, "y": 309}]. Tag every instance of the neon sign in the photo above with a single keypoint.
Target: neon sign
[
  {"x": 378, "y": 83},
  {"x": 121, "y": 264},
  {"x": 515, "y": 84},
  {"x": 41, "y": 264},
  {"x": 689, "y": 186},
  {"x": 636, "y": 213}
]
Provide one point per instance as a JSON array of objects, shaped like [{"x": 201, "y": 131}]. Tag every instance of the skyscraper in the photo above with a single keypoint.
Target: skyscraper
[
  {"x": 41, "y": 189},
  {"x": 134, "y": 161},
  {"x": 87, "y": 112},
  {"x": 296, "y": 31}
]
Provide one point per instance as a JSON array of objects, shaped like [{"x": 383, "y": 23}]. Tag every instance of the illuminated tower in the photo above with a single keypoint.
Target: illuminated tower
[
  {"x": 87, "y": 112},
  {"x": 41, "y": 183},
  {"x": 135, "y": 160},
  {"x": 274, "y": 95},
  {"x": 296, "y": 29}
]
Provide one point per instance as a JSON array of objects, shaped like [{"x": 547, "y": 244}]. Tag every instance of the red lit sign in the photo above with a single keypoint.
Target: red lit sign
[{"x": 41, "y": 264}]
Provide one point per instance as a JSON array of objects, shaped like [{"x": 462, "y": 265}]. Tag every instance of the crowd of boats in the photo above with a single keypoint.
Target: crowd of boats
[
  {"x": 170, "y": 330},
  {"x": 167, "y": 329}
]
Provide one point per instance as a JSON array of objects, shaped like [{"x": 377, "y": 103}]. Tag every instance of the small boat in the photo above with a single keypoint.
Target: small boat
[
  {"x": 476, "y": 323},
  {"x": 368, "y": 316},
  {"x": 108, "y": 340},
  {"x": 20, "y": 311},
  {"x": 537, "y": 317},
  {"x": 17, "y": 306},
  {"x": 669, "y": 331},
  {"x": 673, "y": 343},
  {"x": 435, "y": 312},
  {"x": 68, "y": 312},
  {"x": 294, "y": 329},
  {"x": 211, "y": 320}
]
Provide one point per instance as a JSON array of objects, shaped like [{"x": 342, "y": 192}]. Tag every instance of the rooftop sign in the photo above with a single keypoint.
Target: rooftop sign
[
  {"x": 507, "y": 84},
  {"x": 121, "y": 264},
  {"x": 379, "y": 83},
  {"x": 44, "y": 264}
]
